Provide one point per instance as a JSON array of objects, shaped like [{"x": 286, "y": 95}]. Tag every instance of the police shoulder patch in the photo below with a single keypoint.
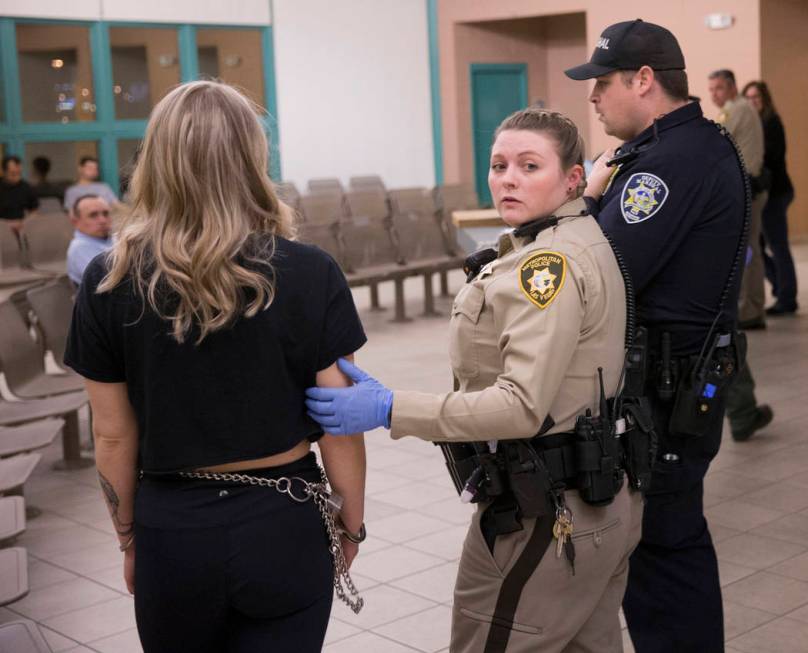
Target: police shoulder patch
[
  {"x": 541, "y": 277},
  {"x": 643, "y": 196}
]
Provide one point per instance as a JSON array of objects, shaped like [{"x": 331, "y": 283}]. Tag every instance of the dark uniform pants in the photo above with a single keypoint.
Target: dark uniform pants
[
  {"x": 673, "y": 598},
  {"x": 557, "y": 612}
]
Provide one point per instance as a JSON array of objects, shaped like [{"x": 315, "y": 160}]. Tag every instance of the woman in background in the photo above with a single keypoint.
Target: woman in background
[{"x": 780, "y": 265}]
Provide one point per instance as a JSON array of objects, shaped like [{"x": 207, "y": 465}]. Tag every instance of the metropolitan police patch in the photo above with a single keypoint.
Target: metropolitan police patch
[
  {"x": 541, "y": 277},
  {"x": 643, "y": 195}
]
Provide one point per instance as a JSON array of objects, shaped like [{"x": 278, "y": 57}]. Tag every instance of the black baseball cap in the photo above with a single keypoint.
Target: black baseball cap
[{"x": 629, "y": 46}]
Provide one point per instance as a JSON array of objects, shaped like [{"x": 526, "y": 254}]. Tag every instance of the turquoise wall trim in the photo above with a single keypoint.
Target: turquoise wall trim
[
  {"x": 11, "y": 78},
  {"x": 189, "y": 64},
  {"x": 434, "y": 86},
  {"x": 271, "y": 102},
  {"x": 104, "y": 104}
]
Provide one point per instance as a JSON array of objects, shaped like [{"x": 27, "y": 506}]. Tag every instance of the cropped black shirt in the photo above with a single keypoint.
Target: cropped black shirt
[{"x": 237, "y": 395}]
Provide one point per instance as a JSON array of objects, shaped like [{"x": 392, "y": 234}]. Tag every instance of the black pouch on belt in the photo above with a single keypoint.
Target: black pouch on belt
[
  {"x": 528, "y": 478},
  {"x": 699, "y": 399}
]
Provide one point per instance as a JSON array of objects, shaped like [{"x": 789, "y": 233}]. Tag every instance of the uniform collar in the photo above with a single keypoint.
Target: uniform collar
[
  {"x": 521, "y": 236},
  {"x": 686, "y": 113}
]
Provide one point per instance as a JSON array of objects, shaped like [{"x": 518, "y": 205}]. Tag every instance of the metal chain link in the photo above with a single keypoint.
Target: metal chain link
[{"x": 319, "y": 493}]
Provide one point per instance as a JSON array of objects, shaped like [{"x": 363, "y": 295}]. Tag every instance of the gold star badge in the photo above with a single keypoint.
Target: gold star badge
[{"x": 641, "y": 198}]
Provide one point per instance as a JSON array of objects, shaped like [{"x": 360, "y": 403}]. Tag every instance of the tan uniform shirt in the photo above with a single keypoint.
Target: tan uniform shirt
[
  {"x": 743, "y": 122},
  {"x": 527, "y": 336}
]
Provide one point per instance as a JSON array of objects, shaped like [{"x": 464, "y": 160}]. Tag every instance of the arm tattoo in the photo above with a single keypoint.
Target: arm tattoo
[{"x": 123, "y": 529}]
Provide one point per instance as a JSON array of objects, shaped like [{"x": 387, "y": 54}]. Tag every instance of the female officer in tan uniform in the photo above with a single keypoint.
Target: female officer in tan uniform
[{"x": 527, "y": 336}]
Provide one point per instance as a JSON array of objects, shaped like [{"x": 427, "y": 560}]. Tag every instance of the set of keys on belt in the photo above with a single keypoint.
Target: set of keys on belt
[{"x": 562, "y": 531}]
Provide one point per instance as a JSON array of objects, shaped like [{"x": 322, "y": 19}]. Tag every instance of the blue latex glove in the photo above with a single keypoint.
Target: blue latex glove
[{"x": 342, "y": 411}]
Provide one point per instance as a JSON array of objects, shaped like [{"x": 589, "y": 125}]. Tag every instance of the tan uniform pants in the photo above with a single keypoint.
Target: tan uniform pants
[
  {"x": 557, "y": 612},
  {"x": 753, "y": 294}
]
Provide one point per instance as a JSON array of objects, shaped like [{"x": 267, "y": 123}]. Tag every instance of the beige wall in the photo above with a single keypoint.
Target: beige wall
[
  {"x": 704, "y": 49},
  {"x": 783, "y": 33},
  {"x": 565, "y": 39}
]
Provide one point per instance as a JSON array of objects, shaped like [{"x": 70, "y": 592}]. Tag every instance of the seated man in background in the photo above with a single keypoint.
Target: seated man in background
[
  {"x": 88, "y": 184},
  {"x": 16, "y": 195},
  {"x": 40, "y": 167},
  {"x": 90, "y": 216}
]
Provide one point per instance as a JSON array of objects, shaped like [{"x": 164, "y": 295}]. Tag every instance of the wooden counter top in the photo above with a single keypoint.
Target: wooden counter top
[{"x": 477, "y": 218}]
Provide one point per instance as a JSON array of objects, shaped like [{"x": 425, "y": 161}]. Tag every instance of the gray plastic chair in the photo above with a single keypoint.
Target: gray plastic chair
[
  {"x": 288, "y": 192},
  {"x": 12, "y": 519},
  {"x": 14, "y": 471},
  {"x": 423, "y": 238},
  {"x": 50, "y": 205},
  {"x": 23, "y": 364},
  {"x": 12, "y": 272},
  {"x": 367, "y": 182},
  {"x": 46, "y": 237},
  {"x": 13, "y": 586},
  {"x": 65, "y": 406},
  {"x": 329, "y": 185},
  {"x": 28, "y": 437},
  {"x": 320, "y": 225},
  {"x": 53, "y": 307}
]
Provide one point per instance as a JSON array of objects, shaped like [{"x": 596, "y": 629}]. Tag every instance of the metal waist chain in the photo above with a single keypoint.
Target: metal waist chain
[{"x": 321, "y": 495}]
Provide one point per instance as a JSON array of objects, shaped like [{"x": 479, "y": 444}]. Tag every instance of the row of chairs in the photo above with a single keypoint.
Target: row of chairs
[
  {"x": 378, "y": 235},
  {"x": 38, "y": 252},
  {"x": 44, "y": 406}
]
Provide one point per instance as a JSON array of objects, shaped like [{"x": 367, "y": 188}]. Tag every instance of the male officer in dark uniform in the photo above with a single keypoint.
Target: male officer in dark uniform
[{"x": 673, "y": 199}]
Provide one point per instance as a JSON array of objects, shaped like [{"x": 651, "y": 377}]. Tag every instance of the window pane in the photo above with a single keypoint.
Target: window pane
[
  {"x": 234, "y": 56},
  {"x": 56, "y": 77},
  {"x": 127, "y": 158},
  {"x": 63, "y": 157},
  {"x": 145, "y": 65}
]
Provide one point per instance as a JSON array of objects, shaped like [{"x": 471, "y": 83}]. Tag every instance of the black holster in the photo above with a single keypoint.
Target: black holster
[{"x": 639, "y": 442}]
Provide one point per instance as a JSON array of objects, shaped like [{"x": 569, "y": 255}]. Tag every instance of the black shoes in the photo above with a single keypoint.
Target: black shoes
[
  {"x": 763, "y": 417},
  {"x": 777, "y": 310},
  {"x": 752, "y": 325}
]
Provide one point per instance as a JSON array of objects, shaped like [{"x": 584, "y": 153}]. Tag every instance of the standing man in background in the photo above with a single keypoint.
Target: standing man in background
[
  {"x": 742, "y": 121},
  {"x": 673, "y": 199}
]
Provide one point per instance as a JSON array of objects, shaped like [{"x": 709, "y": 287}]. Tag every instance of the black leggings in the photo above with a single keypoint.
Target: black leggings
[{"x": 225, "y": 567}]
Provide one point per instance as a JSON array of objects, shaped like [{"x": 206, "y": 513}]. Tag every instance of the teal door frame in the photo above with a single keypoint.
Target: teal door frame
[
  {"x": 106, "y": 130},
  {"x": 475, "y": 70}
]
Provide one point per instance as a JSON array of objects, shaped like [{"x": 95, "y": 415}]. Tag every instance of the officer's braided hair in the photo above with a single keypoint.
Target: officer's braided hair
[{"x": 570, "y": 145}]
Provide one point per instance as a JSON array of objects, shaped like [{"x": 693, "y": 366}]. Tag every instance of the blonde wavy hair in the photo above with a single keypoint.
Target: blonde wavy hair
[{"x": 203, "y": 206}]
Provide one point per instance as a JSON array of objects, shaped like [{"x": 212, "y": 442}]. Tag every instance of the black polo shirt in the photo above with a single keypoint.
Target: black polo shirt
[
  {"x": 239, "y": 394},
  {"x": 16, "y": 199},
  {"x": 675, "y": 211}
]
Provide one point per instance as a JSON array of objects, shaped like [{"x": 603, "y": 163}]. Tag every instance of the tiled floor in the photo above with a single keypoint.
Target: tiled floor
[{"x": 756, "y": 497}]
